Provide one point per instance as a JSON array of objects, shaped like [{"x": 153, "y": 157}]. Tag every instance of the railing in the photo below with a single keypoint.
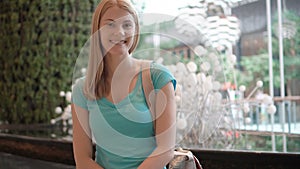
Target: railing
[
  {"x": 257, "y": 120},
  {"x": 291, "y": 104}
]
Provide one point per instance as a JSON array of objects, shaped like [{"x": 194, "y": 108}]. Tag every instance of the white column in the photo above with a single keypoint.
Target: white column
[
  {"x": 271, "y": 84},
  {"x": 282, "y": 92}
]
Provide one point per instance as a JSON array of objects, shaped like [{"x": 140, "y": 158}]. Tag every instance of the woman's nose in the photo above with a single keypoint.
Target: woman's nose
[{"x": 119, "y": 31}]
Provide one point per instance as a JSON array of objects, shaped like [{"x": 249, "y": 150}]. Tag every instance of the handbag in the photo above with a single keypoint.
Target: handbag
[{"x": 183, "y": 159}]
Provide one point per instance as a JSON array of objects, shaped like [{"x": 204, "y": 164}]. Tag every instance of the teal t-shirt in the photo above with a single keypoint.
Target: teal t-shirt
[{"x": 123, "y": 132}]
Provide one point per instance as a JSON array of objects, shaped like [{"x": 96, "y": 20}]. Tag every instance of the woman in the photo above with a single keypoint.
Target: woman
[{"x": 109, "y": 107}]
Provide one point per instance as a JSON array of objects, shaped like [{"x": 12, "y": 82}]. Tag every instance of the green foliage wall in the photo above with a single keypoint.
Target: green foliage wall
[{"x": 39, "y": 44}]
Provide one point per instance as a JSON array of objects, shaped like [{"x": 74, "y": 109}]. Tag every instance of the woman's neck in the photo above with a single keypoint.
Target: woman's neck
[{"x": 120, "y": 64}]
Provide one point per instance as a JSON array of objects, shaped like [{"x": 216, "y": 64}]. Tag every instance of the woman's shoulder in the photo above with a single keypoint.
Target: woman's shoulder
[
  {"x": 161, "y": 75},
  {"x": 79, "y": 80},
  {"x": 157, "y": 65},
  {"x": 159, "y": 69},
  {"x": 78, "y": 97},
  {"x": 78, "y": 83}
]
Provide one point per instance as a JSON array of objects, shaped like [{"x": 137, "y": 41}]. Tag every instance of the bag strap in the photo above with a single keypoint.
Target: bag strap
[
  {"x": 148, "y": 88},
  {"x": 197, "y": 162}
]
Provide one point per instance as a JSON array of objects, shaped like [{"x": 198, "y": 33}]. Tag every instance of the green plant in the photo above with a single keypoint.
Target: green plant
[
  {"x": 40, "y": 41},
  {"x": 257, "y": 67}
]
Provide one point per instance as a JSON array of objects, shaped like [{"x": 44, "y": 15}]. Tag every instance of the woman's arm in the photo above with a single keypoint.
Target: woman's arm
[
  {"x": 82, "y": 140},
  {"x": 165, "y": 129}
]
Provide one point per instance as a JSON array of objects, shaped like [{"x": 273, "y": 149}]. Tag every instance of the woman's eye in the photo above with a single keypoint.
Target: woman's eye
[
  {"x": 111, "y": 24},
  {"x": 128, "y": 25}
]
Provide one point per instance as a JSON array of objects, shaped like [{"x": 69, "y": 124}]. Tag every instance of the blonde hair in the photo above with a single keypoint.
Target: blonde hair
[{"x": 94, "y": 87}]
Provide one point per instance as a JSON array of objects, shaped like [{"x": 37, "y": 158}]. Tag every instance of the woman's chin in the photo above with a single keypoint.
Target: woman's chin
[{"x": 118, "y": 49}]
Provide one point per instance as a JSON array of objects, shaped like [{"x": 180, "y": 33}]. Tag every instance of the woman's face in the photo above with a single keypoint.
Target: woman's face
[{"x": 117, "y": 31}]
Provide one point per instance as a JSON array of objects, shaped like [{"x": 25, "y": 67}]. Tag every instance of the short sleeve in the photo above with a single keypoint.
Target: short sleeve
[
  {"x": 78, "y": 97},
  {"x": 160, "y": 76}
]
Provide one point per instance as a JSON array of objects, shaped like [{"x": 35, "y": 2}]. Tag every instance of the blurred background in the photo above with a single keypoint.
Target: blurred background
[{"x": 243, "y": 53}]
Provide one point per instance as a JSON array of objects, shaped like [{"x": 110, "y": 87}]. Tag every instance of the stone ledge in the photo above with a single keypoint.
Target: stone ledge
[
  {"x": 38, "y": 148},
  {"x": 61, "y": 152},
  {"x": 224, "y": 159}
]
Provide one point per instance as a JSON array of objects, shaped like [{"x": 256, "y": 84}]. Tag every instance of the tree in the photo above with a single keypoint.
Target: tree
[
  {"x": 256, "y": 67},
  {"x": 291, "y": 43}
]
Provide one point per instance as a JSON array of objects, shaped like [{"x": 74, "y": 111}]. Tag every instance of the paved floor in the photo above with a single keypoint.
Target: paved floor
[{"x": 10, "y": 161}]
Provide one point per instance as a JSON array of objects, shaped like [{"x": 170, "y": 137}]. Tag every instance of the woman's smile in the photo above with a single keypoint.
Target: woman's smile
[{"x": 118, "y": 42}]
